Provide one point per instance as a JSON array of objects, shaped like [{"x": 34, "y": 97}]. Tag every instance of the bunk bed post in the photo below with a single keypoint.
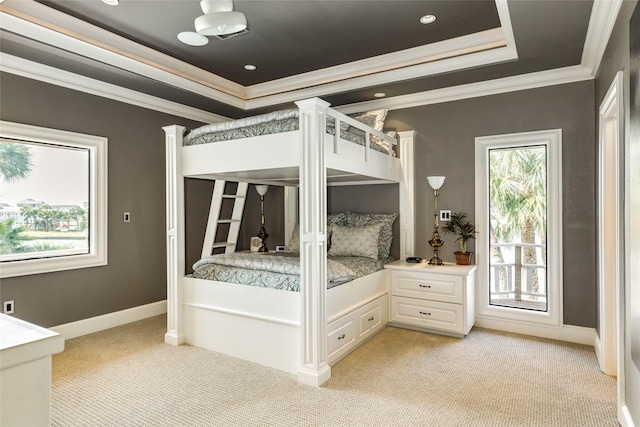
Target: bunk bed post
[
  {"x": 175, "y": 234},
  {"x": 314, "y": 368},
  {"x": 407, "y": 195}
]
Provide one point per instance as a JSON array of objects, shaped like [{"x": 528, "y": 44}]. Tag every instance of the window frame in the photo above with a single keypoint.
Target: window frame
[
  {"x": 97, "y": 251},
  {"x": 552, "y": 139}
]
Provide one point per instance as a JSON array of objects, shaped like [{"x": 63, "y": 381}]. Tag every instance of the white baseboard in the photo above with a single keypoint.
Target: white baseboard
[
  {"x": 625, "y": 417},
  {"x": 597, "y": 346},
  {"x": 110, "y": 320},
  {"x": 569, "y": 333}
]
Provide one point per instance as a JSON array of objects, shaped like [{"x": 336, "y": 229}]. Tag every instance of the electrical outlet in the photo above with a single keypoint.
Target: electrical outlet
[
  {"x": 9, "y": 307},
  {"x": 445, "y": 215},
  {"x": 126, "y": 217}
]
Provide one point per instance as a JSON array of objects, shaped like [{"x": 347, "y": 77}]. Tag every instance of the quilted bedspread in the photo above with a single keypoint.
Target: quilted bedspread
[
  {"x": 277, "y": 271},
  {"x": 271, "y": 123}
]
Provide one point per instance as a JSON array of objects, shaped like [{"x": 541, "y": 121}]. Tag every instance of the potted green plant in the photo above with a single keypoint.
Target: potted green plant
[{"x": 464, "y": 229}]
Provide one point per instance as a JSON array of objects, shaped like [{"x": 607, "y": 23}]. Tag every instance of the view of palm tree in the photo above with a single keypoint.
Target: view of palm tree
[
  {"x": 35, "y": 226},
  {"x": 518, "y": 212},
  {"x": 15, "y": 161}
]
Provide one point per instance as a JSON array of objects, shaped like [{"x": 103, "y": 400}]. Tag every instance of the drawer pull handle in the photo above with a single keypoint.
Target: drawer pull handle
[
  {"x": 425, "y": 286},
  {"x": 341, "y": 336},
  {"x": 371, "y": 318},
  {"x": 425, "y": 313}
]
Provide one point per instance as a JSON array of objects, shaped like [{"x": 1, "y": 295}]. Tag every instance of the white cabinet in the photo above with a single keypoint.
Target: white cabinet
[
  {"x": 25, "y": 372},
  {"x": 438, "y": 299},
  {"x": 348, "y": 332}
]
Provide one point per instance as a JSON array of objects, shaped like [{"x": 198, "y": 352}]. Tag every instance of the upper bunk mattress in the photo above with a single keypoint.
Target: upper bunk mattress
[{"x": 286, "y": 121}]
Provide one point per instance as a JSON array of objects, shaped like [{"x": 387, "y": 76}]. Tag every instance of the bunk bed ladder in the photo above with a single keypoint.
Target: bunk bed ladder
[{"x": 215, "y": 238}]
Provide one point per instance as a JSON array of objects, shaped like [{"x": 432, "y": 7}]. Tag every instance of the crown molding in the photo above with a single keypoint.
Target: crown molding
[
  {"x": 408, "y": 59},
  {"x": 559, "y": 76},
  {"x": 44, "y": 73},
  {"x": 604, "y": 14},
  {"x": 49, "y": 26},
  {"x": 431, "y": 68},
  {"x": 103, "y": 53},
  {"x": 603, "y": 18},
  {"x": 602, "y": 21}
]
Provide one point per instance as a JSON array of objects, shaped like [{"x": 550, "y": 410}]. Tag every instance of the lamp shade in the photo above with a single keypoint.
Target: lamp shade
[
  {"x": 262, "y": 189},
  {"x": 220, "y": 23},
  {"x": 435, "y": 181}
]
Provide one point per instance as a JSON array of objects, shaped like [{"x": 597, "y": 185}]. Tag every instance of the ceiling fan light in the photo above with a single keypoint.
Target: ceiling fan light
[
  {"x": 213, "y": 6},
  {"x": 192, "y": 39},
  {"x": 220, "y": 23}
]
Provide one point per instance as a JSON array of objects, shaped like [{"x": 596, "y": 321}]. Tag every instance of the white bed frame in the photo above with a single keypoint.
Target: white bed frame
[{"x": 281, "y": 329}]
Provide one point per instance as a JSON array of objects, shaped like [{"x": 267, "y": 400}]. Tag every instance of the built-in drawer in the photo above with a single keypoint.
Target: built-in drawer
[
  {"x": 427, "y": 314},
  {"x": 438, "y": 287},
  {"x": 373, "y": 316},
  {"x": 341, "y": 334}
]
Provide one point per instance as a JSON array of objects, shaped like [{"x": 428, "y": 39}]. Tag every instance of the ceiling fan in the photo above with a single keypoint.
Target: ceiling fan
[{"x": 219, "y": 20}]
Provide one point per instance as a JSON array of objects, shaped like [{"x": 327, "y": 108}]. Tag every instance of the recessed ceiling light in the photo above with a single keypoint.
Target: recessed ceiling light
[
  {"x": 192, "y": 39},
  {"x": 111, "y": 2},
  {"x": 428, "y": 19},
  {"x": 250, "y": 67},
  {"x": 379, "y": 94}
]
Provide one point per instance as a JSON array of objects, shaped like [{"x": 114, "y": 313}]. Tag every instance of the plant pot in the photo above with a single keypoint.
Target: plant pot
[{"x": 463, "y": 258}]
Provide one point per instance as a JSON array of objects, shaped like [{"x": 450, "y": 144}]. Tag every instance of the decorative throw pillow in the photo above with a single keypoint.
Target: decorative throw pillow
[
  {"x": 375, "y": 118},
  {"x": 337, "y": 219},
  {"x": 355, "y": 241},
  {"x": 294, "y": 241},
  {"x": 332, "y": 219},
  {"x": 386, "y": 231}
]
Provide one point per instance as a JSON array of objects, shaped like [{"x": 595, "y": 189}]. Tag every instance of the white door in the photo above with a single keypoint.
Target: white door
[{"x": 518, "y": 209}]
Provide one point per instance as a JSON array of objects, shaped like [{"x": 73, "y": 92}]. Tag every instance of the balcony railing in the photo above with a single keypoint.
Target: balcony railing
[{"x": 518, "y": 284}]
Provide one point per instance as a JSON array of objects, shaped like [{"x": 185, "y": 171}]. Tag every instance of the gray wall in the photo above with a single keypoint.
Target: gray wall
[
  {"x": 616, "y": 58},
  {"x": 445, "y": 146},
  {"x": 381, "y": 199},
  {"x": 136, "y": 271},
  {"x": 197, "y": 203},
  {"x": 445, "y": 141}
]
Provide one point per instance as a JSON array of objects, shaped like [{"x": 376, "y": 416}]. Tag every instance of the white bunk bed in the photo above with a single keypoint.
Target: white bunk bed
[{"x": 299, "y": 332}]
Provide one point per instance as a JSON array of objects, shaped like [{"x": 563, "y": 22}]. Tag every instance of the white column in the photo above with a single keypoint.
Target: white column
[
  {"x": 314, "y": 369},
  {"x": 175, "y": 234},
  {"x": 407, "y": 195}
]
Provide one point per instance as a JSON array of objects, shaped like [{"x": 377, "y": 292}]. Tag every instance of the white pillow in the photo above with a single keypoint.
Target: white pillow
[
  {"x": 294, "y": 242},
  {"x": 355, "y": 241}
]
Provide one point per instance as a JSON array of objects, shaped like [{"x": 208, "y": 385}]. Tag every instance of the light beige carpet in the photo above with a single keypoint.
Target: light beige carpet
[{"x": 127, "y": 376}]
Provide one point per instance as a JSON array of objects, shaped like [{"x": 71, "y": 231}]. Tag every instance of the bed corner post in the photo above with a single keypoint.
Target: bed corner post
[
  {"x": 407, "y": 195},
  {"x": 175, "y": 234},
  {"x": 314, "y": 368}
]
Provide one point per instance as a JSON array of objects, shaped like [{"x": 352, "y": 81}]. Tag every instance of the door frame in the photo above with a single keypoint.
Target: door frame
[
  {"x": 609, "y": 345},
  {"x": 507, "y": 318}
]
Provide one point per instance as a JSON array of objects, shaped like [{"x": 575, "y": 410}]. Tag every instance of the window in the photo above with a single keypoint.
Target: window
[
  {"x": 53, "y": 200},
  {"x": 518, "y": 208}
]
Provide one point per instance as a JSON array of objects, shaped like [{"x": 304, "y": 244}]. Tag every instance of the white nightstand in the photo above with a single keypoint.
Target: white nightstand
[{"x": 439, "y": 299}]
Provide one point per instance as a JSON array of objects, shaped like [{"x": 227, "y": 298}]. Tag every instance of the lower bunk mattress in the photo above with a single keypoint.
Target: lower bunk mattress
[{"x": 280, "y": 270}]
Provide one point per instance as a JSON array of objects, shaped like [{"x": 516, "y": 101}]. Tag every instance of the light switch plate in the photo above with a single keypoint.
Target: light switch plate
[{"x": 445, "y": 215}]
